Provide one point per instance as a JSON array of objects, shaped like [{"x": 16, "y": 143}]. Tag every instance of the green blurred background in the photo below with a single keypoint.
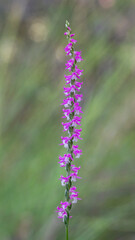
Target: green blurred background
[{"x": 32, "y": 61}]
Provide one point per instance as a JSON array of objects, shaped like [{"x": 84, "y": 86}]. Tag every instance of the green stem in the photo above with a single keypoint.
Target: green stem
[{"x": 67, "y": 232}]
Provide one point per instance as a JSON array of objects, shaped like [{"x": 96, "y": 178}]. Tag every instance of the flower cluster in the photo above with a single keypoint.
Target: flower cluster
[
  {"x": 62, "y": 210},
  {"x": 71, "y": 113}
]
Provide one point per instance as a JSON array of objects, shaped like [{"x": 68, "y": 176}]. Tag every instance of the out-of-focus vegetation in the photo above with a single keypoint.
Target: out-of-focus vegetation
[{"x": 31, "y": 76}]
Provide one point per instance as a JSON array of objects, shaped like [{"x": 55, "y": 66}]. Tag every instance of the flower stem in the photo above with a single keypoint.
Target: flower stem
[{"x": 66, "y": 232}]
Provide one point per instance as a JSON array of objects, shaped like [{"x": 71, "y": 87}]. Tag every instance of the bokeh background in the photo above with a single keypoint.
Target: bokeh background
[{"x": 32, "y": 61}]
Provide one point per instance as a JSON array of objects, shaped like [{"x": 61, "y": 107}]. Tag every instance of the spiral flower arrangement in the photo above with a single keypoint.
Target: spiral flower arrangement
[{"x": 71, "y": 113}]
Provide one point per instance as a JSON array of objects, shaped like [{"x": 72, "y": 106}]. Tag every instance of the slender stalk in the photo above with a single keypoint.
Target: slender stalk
[{"x": 67, "y": 232}]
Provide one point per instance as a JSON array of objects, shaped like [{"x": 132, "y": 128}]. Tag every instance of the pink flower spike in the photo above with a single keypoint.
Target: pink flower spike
[{"x": 71, "y": 112}]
